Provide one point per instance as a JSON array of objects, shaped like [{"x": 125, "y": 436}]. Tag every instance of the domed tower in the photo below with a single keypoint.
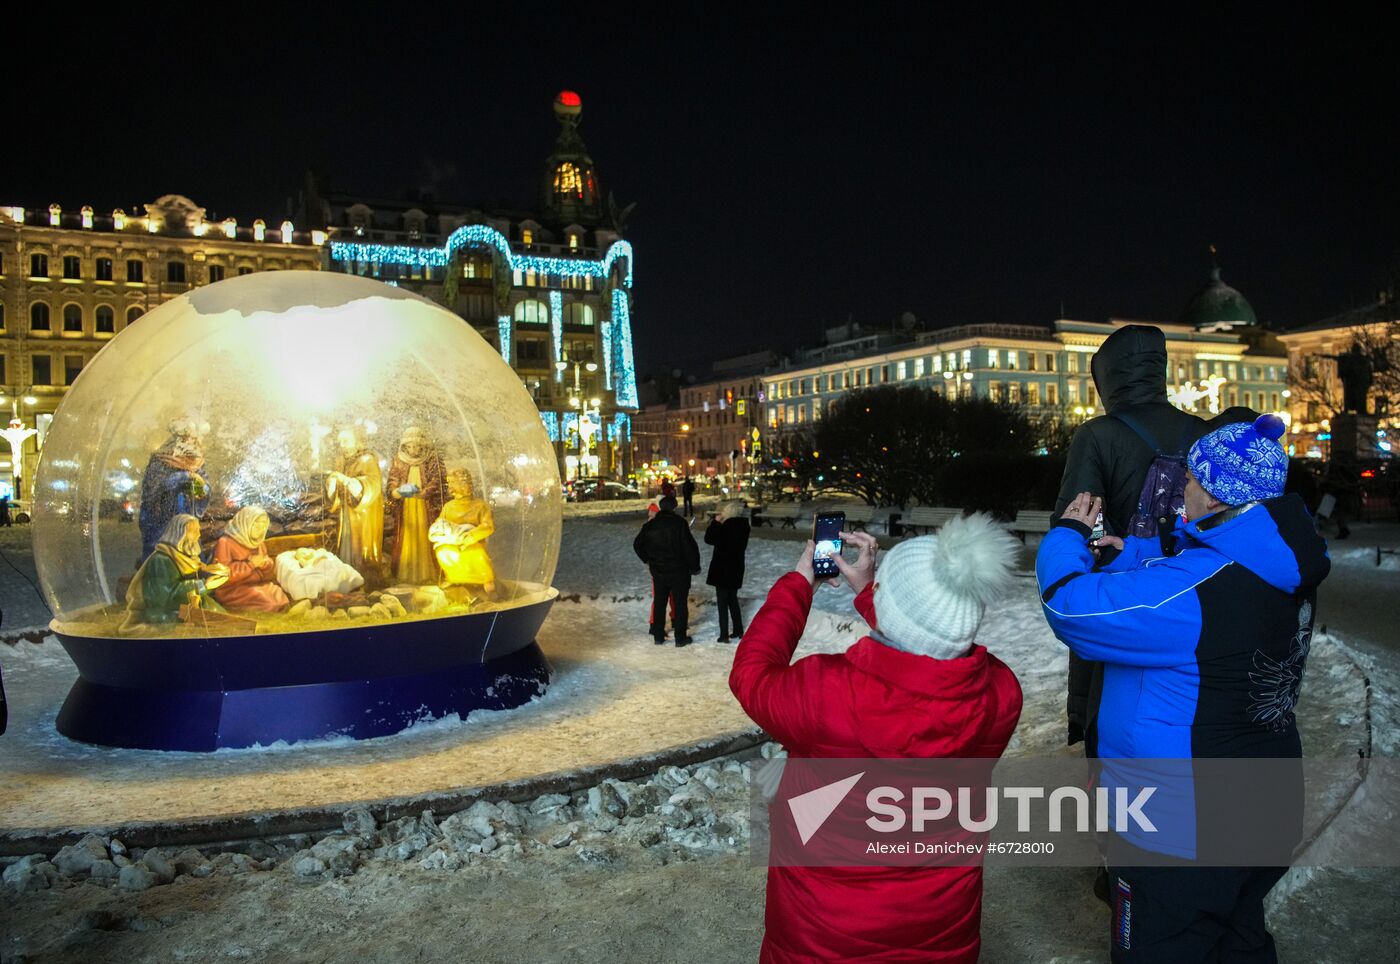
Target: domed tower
[
  {"x": 1217, "y": 306},
  {"x": 569, "y": 193}
]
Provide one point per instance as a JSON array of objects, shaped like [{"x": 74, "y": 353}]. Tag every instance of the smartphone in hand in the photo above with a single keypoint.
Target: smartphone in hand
[{"x": 826, "y": 533}]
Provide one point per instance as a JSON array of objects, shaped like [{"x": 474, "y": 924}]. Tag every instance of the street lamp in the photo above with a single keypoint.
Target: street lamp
[
  {"x": 16, "y": 434},
  {"x": 576, "y": 401}
]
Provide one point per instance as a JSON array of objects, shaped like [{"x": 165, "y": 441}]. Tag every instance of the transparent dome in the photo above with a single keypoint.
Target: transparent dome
[{"x": 292, "y": 451}]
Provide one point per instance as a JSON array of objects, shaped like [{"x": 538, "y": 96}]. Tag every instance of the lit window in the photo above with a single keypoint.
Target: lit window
[
  {"x": 573, "y": 241},
  {"x": 527, "y": 236},
  {"x": 531, "y": 312},
  {"x": 937, "y": 363},
  {"x": 259, "y": 230},
  {"x": 1030, "y": 361},
  {"x": 286, "y": 232},
  {"x": 119, "y": 219},
  {"x": 87, "y": 215},
  {"x": 950, "y": 362},
  {"x": 1013, "y": 360},
  {"x": 1073, "y": 362},
  {"x": 1013, "y": 392},
  {"x": 994, "y": 391},
  {"x": 918, "y": 368},
  {"x": 578, "y": 314},
  {"x": 568, "y": 180},
  {"x": 530, "y": 277},
  {"x": 899, "y": 371},
  {"x": 992, "y": 356},
  {"x": 1073, "y": 389},
  {"x": 967, "y": 358},
  {"x": 55, "y": 215},
  {"x": 230, "y": 228}
]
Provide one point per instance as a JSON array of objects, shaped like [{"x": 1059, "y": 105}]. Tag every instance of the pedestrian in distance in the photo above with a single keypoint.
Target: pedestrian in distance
[
  {"x": 5, "y": 510},
  {"x": 728, "y": 532},
  {"x": 669, "y": 551},
  {"x": 1203, "y": 652},
  {"x": 668, "y": 488},
  {"x": 919, "y": 686},
  {"x": 688, "y": 494}
]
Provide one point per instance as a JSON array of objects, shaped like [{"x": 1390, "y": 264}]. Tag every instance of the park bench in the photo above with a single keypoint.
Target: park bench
[
  {"x": 928, "y": 517},
  {"x": 787, "y": 512},
  {"x": 1030, "y": 521},
  {"x": 859, "y": 516}
]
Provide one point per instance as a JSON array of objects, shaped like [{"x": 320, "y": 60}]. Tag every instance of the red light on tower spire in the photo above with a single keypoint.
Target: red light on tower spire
[{"x": 569, "y": 99}]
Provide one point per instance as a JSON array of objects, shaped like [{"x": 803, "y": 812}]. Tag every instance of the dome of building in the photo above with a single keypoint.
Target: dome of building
[{"x": 1217, "y": 305}]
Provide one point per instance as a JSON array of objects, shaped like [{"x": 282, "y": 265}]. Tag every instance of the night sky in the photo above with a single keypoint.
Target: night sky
[{"x": 787, "y": 174}]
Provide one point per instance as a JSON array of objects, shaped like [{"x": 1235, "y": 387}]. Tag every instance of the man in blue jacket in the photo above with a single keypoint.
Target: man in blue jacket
[{"x": 1203, "y": 656}]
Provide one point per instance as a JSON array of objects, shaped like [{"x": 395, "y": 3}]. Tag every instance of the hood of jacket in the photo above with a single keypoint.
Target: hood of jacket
[
  {"x": 1274, "y": 539},
  {"x": 917, "y": 706},
  {"x": 1130, "y": 367}
]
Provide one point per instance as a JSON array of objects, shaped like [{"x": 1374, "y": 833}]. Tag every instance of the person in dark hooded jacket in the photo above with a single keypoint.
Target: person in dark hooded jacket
[
  {"x": 669, "y": 550},
  {"x": 728, "y": 532},
  {"x": 1110, "y": 459},
  {"x": 1203, "y": 653}
]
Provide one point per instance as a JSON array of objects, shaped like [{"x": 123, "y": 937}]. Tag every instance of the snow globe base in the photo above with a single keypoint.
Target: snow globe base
[{"x": 236, "y": 692}]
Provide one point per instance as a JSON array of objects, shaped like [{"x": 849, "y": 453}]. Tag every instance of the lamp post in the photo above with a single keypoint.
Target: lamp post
[
  {"x": 576, "y": 403},
  {"x": 16, "y": 434}
]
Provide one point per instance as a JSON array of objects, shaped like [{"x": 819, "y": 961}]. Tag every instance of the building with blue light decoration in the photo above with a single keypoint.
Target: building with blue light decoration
[{"x": 550, "y": 287}]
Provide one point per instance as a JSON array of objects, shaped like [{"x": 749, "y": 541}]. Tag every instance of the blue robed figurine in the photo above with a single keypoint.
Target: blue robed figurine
[{"x": 175, "y": 482}]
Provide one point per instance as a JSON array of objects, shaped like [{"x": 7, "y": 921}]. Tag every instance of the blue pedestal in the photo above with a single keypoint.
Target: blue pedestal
[{"x": 238, "y": 691}]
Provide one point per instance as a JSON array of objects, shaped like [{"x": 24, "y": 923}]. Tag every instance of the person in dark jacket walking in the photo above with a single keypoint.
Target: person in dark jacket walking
[
  {"x": 669, "y": 550},
  {"x": 688, "y": 494},
  {"x": 1203, "y": 652},
  {"x": 1110, "y": 458},
  {"x": 728, "y": 532}
]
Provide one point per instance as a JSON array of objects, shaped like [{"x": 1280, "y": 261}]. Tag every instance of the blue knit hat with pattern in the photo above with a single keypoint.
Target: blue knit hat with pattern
[{"x": 1242, "y": 462}]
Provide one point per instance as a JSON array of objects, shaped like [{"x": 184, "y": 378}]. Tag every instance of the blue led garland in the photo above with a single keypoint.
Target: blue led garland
[
  {"x": 556, "y": 330},
  {"x": 503, "y": 330}
]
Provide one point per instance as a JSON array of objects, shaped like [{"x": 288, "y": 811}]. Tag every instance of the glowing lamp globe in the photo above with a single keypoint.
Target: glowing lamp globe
[
  {"x": 294, "y": 505},
  {"x": 568, "y": 104}
]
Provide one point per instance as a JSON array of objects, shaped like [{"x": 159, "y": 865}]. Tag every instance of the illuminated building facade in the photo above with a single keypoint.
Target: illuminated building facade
[
  {"x": 715, "y": 430},
  {"x": 550, "y": 288},
  {"x": 1316, "y": 390},
  {"x": 1044, "y": 370},
  {"x": 71, "y": 278}
]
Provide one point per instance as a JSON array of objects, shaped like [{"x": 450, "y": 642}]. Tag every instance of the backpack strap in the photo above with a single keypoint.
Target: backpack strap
[{"x": 1179, "y": 454}]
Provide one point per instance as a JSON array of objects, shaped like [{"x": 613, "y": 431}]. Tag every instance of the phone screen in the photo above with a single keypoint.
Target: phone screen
[{"x": 826, "y": 533}]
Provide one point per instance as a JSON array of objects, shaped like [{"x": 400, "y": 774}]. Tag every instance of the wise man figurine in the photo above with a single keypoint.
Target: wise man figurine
[
  {"x": 356, "y": 494},
  {"x": 175, "y": 482},
  {"x": 416, "y": 490}
]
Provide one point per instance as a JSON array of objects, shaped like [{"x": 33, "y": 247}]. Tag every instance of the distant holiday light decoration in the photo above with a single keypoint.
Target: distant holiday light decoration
[
  {"x": 556, "y": 331},
  {"x": 1188, "y": 396},
  {"x": 503, "y": 332},
  {"x": 619, "y": 373}
]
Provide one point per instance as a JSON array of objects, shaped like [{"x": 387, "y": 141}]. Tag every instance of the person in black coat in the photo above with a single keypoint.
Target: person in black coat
[
  {"x": 688, "y": 494},
  {"x": 1109, "y": 459},
  {"x": 728, "y": 532},
  {"x": 669, "y": 550}
]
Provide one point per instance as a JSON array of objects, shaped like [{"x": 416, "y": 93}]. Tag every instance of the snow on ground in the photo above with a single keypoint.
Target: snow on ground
[{"x": 654, "y": 903}]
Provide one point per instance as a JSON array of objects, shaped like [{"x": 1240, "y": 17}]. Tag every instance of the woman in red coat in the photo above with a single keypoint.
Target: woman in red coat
[{"x": 918, "y": 686}]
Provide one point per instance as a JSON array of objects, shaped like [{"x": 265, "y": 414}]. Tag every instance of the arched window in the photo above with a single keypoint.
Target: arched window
[
  {"x": 39, "y": 317},
  {"x": 578, "y": 314},
  {"x": 106, "y": 319},
  {"x": 132, "y": 314},
  {"x": 532, "y": 313},
  {"x": 72, "y": 318}
]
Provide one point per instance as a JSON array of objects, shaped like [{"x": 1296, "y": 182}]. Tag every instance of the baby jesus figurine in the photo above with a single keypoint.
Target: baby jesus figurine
[{"x": 458, "y": 535}]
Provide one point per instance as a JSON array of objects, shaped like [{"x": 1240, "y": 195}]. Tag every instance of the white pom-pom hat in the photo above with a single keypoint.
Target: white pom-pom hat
[{"x": 932, "y": 592}]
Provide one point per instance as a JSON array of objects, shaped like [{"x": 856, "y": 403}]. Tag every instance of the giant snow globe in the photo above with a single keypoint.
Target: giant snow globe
[{"x": 294, "y": 505}]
